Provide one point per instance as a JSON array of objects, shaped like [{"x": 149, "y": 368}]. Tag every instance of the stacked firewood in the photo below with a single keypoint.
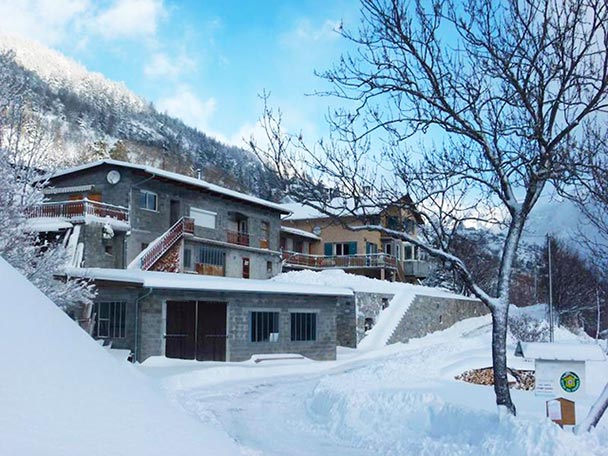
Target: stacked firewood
[{"x": 518, "y": 379}]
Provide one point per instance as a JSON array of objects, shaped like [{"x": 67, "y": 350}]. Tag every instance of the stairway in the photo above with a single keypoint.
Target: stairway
[{"x": 161, "y": 245}]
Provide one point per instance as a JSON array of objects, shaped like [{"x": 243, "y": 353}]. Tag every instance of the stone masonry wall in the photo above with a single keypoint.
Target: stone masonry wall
[
  {"x": 240, "y": 305},
  {"x": 428, "y": 314},
  {"x": 369, "y": 305},
  {"x": 346, "y": 323}
]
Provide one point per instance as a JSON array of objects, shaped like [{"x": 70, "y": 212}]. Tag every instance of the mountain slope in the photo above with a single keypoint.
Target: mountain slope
[{"x": 89, "y": 116}]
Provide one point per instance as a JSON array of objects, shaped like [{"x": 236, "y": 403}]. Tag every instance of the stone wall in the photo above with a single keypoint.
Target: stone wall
[
  {"x": 428, "y": 314},
  {"x": 369, "y": 305},
  {"x": 240, "y": 305},
  {"x": 129, "y": 297}
]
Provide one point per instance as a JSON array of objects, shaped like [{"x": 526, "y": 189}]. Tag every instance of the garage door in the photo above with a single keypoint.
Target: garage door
[{"x": 196, "y": 330}]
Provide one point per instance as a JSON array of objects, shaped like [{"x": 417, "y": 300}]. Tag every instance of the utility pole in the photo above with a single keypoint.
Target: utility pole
[{"x": 551, "y": 337}]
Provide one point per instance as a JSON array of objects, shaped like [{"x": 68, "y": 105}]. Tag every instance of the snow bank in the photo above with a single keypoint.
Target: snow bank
[{"x": 63, "y": 394}]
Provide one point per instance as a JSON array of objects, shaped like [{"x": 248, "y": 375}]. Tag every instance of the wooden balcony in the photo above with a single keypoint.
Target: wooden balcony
[
  {"x": 79, "y": 209},
  {"x": 372, "y": 261},
  {"x": 237, "y": 237}
]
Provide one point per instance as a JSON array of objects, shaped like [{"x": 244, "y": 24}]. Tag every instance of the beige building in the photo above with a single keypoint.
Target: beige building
[{"x": 313, "y": 240}]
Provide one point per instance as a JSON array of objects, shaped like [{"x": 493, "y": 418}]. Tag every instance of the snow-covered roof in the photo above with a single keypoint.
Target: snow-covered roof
[
  {"x": 169, "y": 280},
  {"x": 560, "y": 351},
  {"x": 46, "y": 224},
  {"x": 298, "y": 232},
  {"x": 175, "y": 177},
  {"x": 301, "y": 211}
]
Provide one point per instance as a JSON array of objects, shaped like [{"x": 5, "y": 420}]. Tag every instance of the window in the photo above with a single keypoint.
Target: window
[
  {"x": 343, "y": 248},
  {"x": 264, "y": 326},
  {"x": 269, "y": 267},
  {"x": 109, "y": 319},
  {"x": 265, "y": 230},
  {"x": 303, "y": 326},
  {"x": 203, "y": 218},
  {"x": 187, "y": 258},
  {"x": 108, "y": 249},
  {"x": 148, "y": 200},
  {"x": 210, "y": 255}
]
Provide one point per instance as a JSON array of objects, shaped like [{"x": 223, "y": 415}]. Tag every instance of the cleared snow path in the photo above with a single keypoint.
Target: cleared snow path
[
  {"x": 388, "y": 320},
  {"x": 398, "y": 400}
]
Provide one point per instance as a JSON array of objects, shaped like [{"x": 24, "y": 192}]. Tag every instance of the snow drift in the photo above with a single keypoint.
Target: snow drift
[{"x": 63, "y": 394}]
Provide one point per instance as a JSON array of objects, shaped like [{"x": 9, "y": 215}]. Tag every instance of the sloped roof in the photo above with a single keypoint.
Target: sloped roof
[
  {"x": 302, "y": 233},
  {"x": 560, "y": 351},
  {"x": 174, "y": 177}
]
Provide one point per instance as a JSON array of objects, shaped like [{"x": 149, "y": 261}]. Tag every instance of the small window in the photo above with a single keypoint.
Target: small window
[
  {"x": 148, "y": 200},
  {"x": 109, "y": 319},
  {"x": 303, "y": 326},
  {"x": 108, "y": 249},
  {"x": 264, "y": 326},
  {"x": 187, "y": 258},
  {"x": 269, "y": 267},
  {"x": 203, "y": 218}
]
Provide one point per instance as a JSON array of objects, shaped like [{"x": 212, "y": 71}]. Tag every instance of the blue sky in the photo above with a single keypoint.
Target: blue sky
[{"x": 204, "y": 61}]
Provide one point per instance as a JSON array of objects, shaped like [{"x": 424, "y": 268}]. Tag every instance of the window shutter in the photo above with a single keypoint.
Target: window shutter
[
  {"x": 352, "y": 248},
  {"x": 329, "y": 248}
]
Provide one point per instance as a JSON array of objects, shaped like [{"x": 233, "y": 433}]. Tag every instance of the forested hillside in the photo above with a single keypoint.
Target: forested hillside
[{"x": 89, "y": 117}]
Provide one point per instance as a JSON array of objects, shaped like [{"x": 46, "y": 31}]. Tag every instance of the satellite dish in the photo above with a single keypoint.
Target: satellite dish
[
  {"x": 113, "y": 177},
  {"x": 316, "y": 230}
]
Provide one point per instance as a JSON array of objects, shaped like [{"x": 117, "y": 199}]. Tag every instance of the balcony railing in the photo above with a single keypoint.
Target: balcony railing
[
  {"x": 416, "y": 268},
  {"x": 237, "y": 237},
  {"x": 79, "y": 209},
  {"x": 374, "y": 260}
]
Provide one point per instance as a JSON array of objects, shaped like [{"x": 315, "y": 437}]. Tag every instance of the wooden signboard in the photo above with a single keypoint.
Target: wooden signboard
[{"x": 561, "y": 411}]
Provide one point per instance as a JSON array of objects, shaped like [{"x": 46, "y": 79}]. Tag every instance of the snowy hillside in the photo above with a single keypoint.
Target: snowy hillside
[
  {"x": 62, "y": 394},
  {"x": 86, "y": 114},
  {"x": 60, "y": 72}
]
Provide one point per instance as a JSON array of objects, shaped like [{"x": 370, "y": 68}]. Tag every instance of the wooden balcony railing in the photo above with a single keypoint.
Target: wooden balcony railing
[
  {"x": 156, "y": 250},
  {"x": 78, "y": 209},
  {"x": 374, "y": 260},
  {"x": 237, "y": 237}
]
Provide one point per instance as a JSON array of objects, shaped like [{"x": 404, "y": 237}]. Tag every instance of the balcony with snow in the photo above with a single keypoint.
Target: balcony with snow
[{"x": 54, "y": 216}]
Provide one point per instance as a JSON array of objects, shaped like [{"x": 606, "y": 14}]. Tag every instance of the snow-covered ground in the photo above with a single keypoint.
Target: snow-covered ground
[
  {"x": 62, "y": 394},
  {"x": 398, "y": 400}
]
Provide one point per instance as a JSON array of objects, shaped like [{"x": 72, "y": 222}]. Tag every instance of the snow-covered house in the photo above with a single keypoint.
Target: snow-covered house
[
  {"x": 180, "y": 265},
  {"x": 313, "y": 240}
]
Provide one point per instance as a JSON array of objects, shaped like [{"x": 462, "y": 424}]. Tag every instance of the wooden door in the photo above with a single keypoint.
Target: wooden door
[
  {"x": 180, "y": 333},
  {"x": 211, "y": 331},
  {"x": 245, "y": 268}
]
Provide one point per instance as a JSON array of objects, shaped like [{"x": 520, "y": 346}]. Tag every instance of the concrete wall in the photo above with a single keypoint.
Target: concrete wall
[
  {"x": 428, "y": 314},
  {"x": 147, "y": 225},
  {"x": 240, "y": 305}
]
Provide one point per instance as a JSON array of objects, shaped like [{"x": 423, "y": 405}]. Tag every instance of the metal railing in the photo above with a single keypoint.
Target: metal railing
[
  {"x": 372, "y": 260},
  {"x": 166, "y": 241},
  {"x": 416, "y": 268},
  {"x": 79, "y": 208}
]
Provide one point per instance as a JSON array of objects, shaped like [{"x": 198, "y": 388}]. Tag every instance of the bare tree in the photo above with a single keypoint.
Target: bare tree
[{"x": 507, "y": 89}]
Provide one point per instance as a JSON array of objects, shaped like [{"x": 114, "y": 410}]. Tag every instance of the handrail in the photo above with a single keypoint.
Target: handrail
[
  {"x": 340, "y": 261},
  {"x": 166, "y": 241}
]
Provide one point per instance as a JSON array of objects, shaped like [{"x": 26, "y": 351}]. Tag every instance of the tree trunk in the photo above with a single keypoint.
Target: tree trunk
[
  {"x": 595, "y": 414},
  {"x": 499, "y": 358}
]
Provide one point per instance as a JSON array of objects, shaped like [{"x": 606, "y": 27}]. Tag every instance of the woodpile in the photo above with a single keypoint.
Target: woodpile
[{"x": 518, "y": 379}]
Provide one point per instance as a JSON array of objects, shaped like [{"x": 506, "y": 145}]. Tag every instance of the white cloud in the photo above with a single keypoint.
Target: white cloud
[
  {"x": 305, "y": 32},
  {"x": 130, "y": 19},
  {"x": 163, "y": 66},
  {"x": 47, "y": 21},
  {"x": 190, "y": 108}
]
